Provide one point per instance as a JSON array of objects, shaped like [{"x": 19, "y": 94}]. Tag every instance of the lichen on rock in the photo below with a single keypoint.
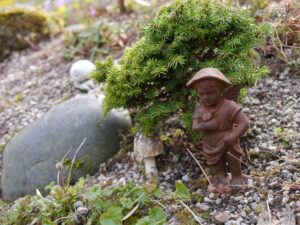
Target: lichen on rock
[{"x": 22, "y": 26}]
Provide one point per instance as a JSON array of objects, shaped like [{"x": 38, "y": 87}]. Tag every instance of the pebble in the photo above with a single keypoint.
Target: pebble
[
  {"x": 218, "y": 201},
  {"x": 253, "y": 205},
  {"x": 211, "y": 195},
  {"x": 82, "y": 210},
  {"x": 285, "y": 200},
  {"x": 208, "y": 200},
  {"x": 232, "y": 222},
  {"x": 255, "y": 101},
  {"x": 271, "y": 201},
  {"x": 286, "y": 174},
  {"x": 243, "y": 214},
  {"x": 78, "y": 204},
  {"x": 238, "y": 199},
  {"x": 204, "y": 207},
  {"x": 185, "y": 178}
]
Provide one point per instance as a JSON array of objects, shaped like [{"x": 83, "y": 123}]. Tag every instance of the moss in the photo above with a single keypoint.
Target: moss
[
  {"x": 2, "y": 108},
  {"x": 196, "y": 196},
  {"x": 20, "y": 26},
  {"x": 200, "y": 183},
  {"x": 2, "y": 146},
  {"x": 185, "y": 217},
  {"x": 20, "y": 97},
  {"x": 206, "y": 216},
  {"x": 258, "y": 209},
  {"x": 78, "y": 164}
]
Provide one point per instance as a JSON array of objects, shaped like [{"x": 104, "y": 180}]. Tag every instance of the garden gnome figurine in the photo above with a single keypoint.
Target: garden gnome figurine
[
  {"x": 145, "y": 149},
  {"x": 222, "y": 122}
]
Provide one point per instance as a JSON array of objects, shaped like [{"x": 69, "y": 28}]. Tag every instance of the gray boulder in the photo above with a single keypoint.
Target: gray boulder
[{"x": 29, "y": 158}]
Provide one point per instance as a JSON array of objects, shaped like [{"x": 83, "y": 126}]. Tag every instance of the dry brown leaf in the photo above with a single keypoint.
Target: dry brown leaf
[{"x": 149, "y": 187}]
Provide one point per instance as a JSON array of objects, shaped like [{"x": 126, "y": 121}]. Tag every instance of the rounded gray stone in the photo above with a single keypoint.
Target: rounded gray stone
[{"x": 30, "y": 156}]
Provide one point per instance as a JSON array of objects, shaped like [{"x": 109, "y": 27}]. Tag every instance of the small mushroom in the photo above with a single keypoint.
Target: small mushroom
[{"x": 146, "y": 148}]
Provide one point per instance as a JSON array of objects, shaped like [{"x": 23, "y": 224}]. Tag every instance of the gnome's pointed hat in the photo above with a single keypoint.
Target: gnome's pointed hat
[{"x": 208, "y": 73}]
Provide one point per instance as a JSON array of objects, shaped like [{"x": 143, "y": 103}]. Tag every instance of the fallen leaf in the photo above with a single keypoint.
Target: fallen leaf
[{"x": 149, "y": 187}]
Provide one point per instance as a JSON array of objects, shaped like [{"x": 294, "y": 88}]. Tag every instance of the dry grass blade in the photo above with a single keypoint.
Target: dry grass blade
[
  {"x": 269, "y": 211},
  {"x": 201, "y": 168},
  {"x": 188, "y": 208},
  {"x": 237, "y": 158},
  {"x": 80, "y": 146},
  {"x": 131, "y": 212}
]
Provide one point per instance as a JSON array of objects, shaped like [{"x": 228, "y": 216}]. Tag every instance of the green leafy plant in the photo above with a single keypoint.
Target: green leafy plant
[
  {"x": 99, "y": 206},
  {"x": 182, "y": 192},
  {"x": 184, "y": 37},
  {"x": 287, "y": 136},
  {"x": 92, "y": 42}
]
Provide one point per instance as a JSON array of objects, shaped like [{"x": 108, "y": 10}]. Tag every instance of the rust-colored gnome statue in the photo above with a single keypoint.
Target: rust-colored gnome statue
[{"x": 222, "y": 122}]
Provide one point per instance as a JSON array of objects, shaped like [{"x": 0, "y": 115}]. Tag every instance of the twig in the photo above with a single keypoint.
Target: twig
[
  {"x": 194, "y": 215},
  {"x": 159, "y": 222},
  {"x": 291, "y": 46},
  {"x": 237, "y": 158},
  {"x": 139, "y": 198},
  {"x": 62, "y": 218},
  {"x": 280, "y": 44},
  {"x": 201, "y": 168},
  {"x": 269, "y": 211},
  {"x": 69, "y": 177},
  {"x": 58, "y": 179},
  {"x": 62, "y": 160},
  {"x": 62, "y": 180},
  {"x": 164, "y": 207}
]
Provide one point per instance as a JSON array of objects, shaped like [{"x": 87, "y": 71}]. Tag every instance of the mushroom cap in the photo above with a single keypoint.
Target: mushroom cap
[
  {"x": 208, "y": 73},
  {"x": 147, "y": 147}
]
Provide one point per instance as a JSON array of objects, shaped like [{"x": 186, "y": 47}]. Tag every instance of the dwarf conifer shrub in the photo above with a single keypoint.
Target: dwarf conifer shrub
[{"x": 185, "y": 36}]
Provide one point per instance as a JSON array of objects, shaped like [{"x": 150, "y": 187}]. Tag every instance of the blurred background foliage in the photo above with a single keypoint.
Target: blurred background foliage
[{"x": 100, "y": 39}]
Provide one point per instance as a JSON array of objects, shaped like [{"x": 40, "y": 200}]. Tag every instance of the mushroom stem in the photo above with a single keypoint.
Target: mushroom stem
[{"x": 150, "y": 168}]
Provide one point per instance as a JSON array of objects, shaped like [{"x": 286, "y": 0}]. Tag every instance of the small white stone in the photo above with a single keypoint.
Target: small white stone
[
  {"x": 218, "y": 201},
  {"x": 285, "y": 200},
  {"x": 80, "y": 70},
  {"x": 211, "y": 195},
  {"x": 185, "y": 178},
  {"x": 239, "y": 198},
  {"x": 82, "y": 210}
]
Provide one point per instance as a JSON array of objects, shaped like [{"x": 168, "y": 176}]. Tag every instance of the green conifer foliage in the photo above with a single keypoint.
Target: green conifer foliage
[{"x": 185, "y": 36}]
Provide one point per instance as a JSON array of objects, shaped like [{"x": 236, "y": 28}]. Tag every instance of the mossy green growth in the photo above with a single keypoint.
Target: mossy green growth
[
  {"x": 185, "y": 217},
  {"x": 78, "y": 164},
  {"x": 185, "y": 36},
  {"x": 20, "y": 26}
]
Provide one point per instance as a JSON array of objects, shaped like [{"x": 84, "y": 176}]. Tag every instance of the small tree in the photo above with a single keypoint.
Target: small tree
[{"x": 185, "y": 36}]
